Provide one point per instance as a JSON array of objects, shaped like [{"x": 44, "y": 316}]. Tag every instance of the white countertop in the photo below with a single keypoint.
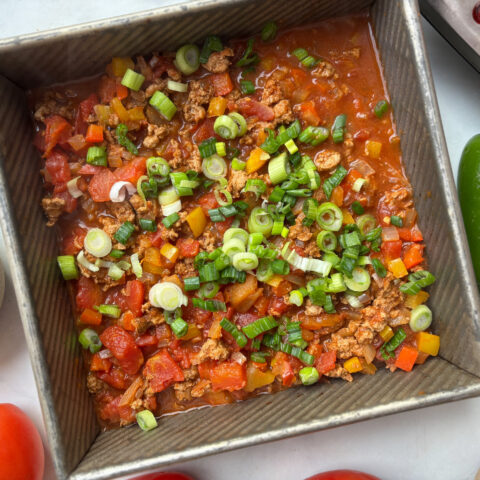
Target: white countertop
[{"x": 441, "y": 442}]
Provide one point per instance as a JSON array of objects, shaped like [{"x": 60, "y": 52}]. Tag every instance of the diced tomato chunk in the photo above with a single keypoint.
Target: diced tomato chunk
[
  {"x": 115, "y": 296},
  {"x": 113, "y": 412},
  {"x": 107, "y": 89},
  {"x": 162, "y": 371},
  {"x": 146, "y": 340},
  {"x": 326, "y": 362},
  {"x": 85, "y": 109},
  {"x": 89, "y": 294},
  {"x": 99, "y": 364},
  {"x": 252, "y": 108},
  {"x": 222, "y": 83},
  {"x": 60, "y": 191},
  {"x": 123, "y": 348},
  {"x": 134, "y": 292},
  {"x": 57, "y": 166},
  {"x": 188, "y": 247},
  {"x": 282, "y": 367},
  {"x": 205, "y": 131},
  {"x": 157, "y": 238},
  {"x": 208, "y": 202},
  {"x": 391, "y": 250},
  {"x": 57, "y": 130},
  {"x": 72, "y": 243},
  {"x": 222, "y": 227},
  {"x": 193, "y": 314},
  {"x": 277, "y": 306},
  {"x": 100, "y": 185},
  {"x": 132, "y": 171},
  {"x": 88, "y": 169},
  {"x": 228, "y": 376},
  {"x": 410, "y": 234}
]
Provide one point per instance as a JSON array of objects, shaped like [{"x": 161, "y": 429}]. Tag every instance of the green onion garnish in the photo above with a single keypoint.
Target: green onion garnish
[
  {"x": 259, "y": 326},
  {"x": 124, "y": 232},
  {"x": 158, "y": 166},
  {"x": 231, "y": 328},
  {"x": 208, "y": 273},
  {"x": 269, "y": 31},
  {"x": 179, "y": 327},
  {"x": 333, "y": 181},
  {"x": 171, "y": 220},
  {"x": 248, "y": 57},
  {"x": 187, "y": 59},
  {"x": 163, "y": 105},
  {"x": 97, "y": 242},
  {"x": 133, "y": 80},
  {"x": 396, "y": 340},
  {"x": 280, "y": 267},
  {"x": 146, "y": 420},
  {"x": 357, "y": 208},
  {"x": 238, "y": 164},
  {"x": 260, "y": 221},
  {"x": 226, "y": 127},
  {"x": 147, "y": 225},
  {"x": 255, "y": 185},
  {"x": 208, "y": 290},
  {"x": 278, "y": 168},
  {"x": 212, "y": 44},
  {"x": 245, "y": 261},
  {"x": 121, "y": 132},
  {"x": 191, "y": 283},
  {"x": 112, "y": 311},
  {"x": 97, "y": 156},
  {"x": 379, "y": 268},
  {"x": 90, "y": 340},
  {"x": 417, "y": 281},
  {"x": 381, "y": 108},
  {"x": 329, "y": 217},
  {"x": 247, "y": 87},
  {"x": 68, "y": 267},
  {"x": 208, "y": 147},
  {"x": 298, "y": 353},
  {"x": 396, "y": 221},
  {"x": 420, "y": 318},
  {"x": 309, "y": 375},
  {"x": 338, "y": 128}
]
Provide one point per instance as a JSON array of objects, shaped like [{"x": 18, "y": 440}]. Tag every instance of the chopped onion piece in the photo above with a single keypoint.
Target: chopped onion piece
[
  {"x": 85, "y": 263},
  {"x": 119, "y": 191},
  {"x": 103, "y": 263},
  {"x": 177, "y": 86},
  {"x": 73, "y": 190},
  {"x": 390, "y": 234},
  {"x": 105, "y": 353},
  {"x": 306, "y": 264},
  {"x": 173, "y": 207},
  {"x": 239, "y": 357},
  {"x": 136, "y": 266},
  {"x": 362, "y": 167}
]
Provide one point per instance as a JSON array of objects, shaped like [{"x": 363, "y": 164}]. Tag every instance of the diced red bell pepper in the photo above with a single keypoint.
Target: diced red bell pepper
[
  {"x": 326, "y": 361},
  {"x": 391, "y": 250},
  {"x": 94, "y": 134},
  {"x": 413, "y": 256},
  {"x": 91, "y": 317},
  {"x": 406, "y": 358},
  {"x": 228, "y": 376},
  {"x": 99, "y": 364}
]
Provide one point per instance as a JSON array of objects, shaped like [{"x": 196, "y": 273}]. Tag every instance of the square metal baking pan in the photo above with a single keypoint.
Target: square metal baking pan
[{"x": 80, "y": 451}]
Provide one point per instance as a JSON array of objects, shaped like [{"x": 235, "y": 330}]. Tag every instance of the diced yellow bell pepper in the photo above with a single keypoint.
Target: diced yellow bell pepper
[
  {"x": 119, "y": 109},
  {"x": 192, "y": 332},
  {"x": 153, "y": 269},
  {"x": 103, "y": 113},
  {"x": 353, "y": 365},
  {"x": 428, "y": 343},
  {"x": 275, "y": 281},
  {"x": 120, "y": 65},
  {"x": 215, "y": 330},
  {"x": 398, "y": 268},
  {"x": 170, "y": 252},
  {"x": 386, "y": 333},
  {"x": 257, "y": 379},
  {"x": 136, "y": 114},
  {"x": 152, "y": 255},
  {"x": 373, "y": 149},
  {"x": 347, "y": 217},
  {"x": 197, "y": 221},
  {"x": 337, "y": 196},
  {"x": 413, "y": 301},
  {"x": 217, "y": 107},
  {"x": 369, "y": 369},
  {"x": 257, "y": 159}
]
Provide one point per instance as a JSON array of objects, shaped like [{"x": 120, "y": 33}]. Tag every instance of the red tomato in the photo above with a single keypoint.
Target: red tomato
[
  {"x": 162, "y": 371},
  {"x": 100, "y": 185},
  {"x": 88, "y": 169},
  {"x": 188, "y": 247},
  {"x": 391, "y": 250},
  {"x": 72, "y": 243},
  {"x": 326, "y": 361},
  {"x": 89, "y": 294},
  {"x": 57, "y": 130},
  {"x": 222, "y": 227},
  {"x": 277, "y": 306},
  {"x": 164, "y": 476},
  {"x": 123, "y": 348},
  {"x": 132, "y": 171},
  {"x": 207, "y": 202},
  {"x": 222, "y": 83},
  {"x": 252, "y": 108},
  {"x": 343, "y": 475},
  {"x": 21, "y": 449},
  {"x": 135, "y": 290},
  {"x": 107, "y": 89},
  {"x": 85, "y": 109},
  {"x": 205, "y": 131},
  {"x": 157, "y": 238},
  {"x": 116, "y": 297},
  {"x": 60, "y": 191},
  {"x": 228, "y": 376},
  {"x": 193, "y": 314},
  {"x": 57, "y": 166},
  {"x": 116, "y": 378}
]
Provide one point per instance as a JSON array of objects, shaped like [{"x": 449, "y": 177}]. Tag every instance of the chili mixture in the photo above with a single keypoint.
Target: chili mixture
[{"x": 234, "y": 219}]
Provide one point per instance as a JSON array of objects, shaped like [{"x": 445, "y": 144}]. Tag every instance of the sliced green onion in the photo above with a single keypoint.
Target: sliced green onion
[
  {"x": 123, "y": 233},
  {"x": 326, "y": 241},
  {"x": 97, "y": 156},
  {"x": 233, "y": 246},
  {"x": 379, "y": 268},
  {"x": 417, "y": 281},
  {"x": 191, "y": 283},
  {"x": 264, "y": 270},
  {"x": 366, "y": 223},
  {"x": 238, "y": 164},
  {"x": 215, "y": 215},
  {"x": 121, "y": 132},
  {"x": 269, "y": 31},
  {"x": 276, "y": 195},
  {"x": 360, "y": 280},
  {"x": 270, "y": 145},
  {"x": 278, "y": 225},
  {"x": 300, "y": 53},
  {"x": 260, "y": 222},
  {"x": 146, "y": 420},
  {"x": 358, "y": 184},
  {"x": 148, "y": 225},
  {"x": 248, "y": 57},
  {"x": 177, "y": 86},
  {"x": 210, "y": 305},
  {"x": 208, "y": 273},
  {"x": 259, "y": 326},
  {"x": 90, "y": 340},
  {"x": 73, "y": 189},
  {"x": 167, "y": 295},
  {"x": 231, "y": 328},
  {"x": 239, "y": 233},
  {"x": 314, "y": 135},
  {"x": 291, "y": 146},
  {"x": 133, "y": 80},
  {"x": 208, "y": 147},
  {"x": 158, "y": 166},
  {"x": 245, "y": 261},
  {"x": 228, "y": 210},
  {"x": 179, "y": 327},
  {"x": 396, "y": 221},
  {"x": 309, "y": 375},
  {"x": 255, "y": 185},
  {"x": 336, "y": 283},
  {"x": 68, "y": 267},
  {"x": 221, "y": 149},
  {"x": 208, "y": 290},
  {"x": 97, "y": 242},
  {"x": 297, "y": 352},
  {"x": 353, "y": 301},
  {"x": 278, "y": 168},
  {"x": 334, "y": 181},
  {"x": 280, "y": 267},
  {"x": 396, "y": 340},
  {"x": 247, "y": 87},
  {"x": 212, "y": 44},
  {"x": 231, "y": 275},
  {"x": 357, "y": 208},
  {"x": 255, "y": 239},
  {"x": 329, "y": 217},
  {"x": 187, "y": 59},
  {"x": 240, "y": 121},
  {"x": 112, "y": 311},
  {"x": 381, "y": 108},
  {"x": 226, "y": 127},
  {"x": 338, "y": 128},
  {"x": 421, "y": 318},
  {"x": 228, "y": 198},
  {"x": 214, "y": 167},
  {"x": 296, "y": 298},
  {"x": 163, "y": 105},
  {"x": 115, "y": 272},
  {"x": 85, "y": 263}
]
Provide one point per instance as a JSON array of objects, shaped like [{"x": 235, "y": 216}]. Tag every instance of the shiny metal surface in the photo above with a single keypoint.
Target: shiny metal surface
[
  {"x": 79, "y": 451},
  {"x": 454, "y": 20}
]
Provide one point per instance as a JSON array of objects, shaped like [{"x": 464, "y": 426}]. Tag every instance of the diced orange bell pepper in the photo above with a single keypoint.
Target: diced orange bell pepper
[
  {"x": 170, "y": 252},
  {"x": 120, "y": 65},
  {"x": 99, "y": 364},
  {"x": 91, "y": 317},
  {"x": 373, "y": 149},
  {"x": 119, "y": 109},
  {"x": 94, "y": 134},
  {"x": 353, "y": 365},
  {"x": 122, "y": 91},
  {"x": 197, "y": 221},
  {"x": 136, "y": 114},
  {"x": 152, "y": 261},
  {"x": 127, "y": 321},
  {"x": 413, "y": 256},
  {"x": 337, "y": 196},
  {"x": 413, "y": 301},
  {"x": 397, "y": 267},
  {"x": 193, "y": 332},
  {"x": 369, "y": 369},
  {"x": 347, "y": 217},
  {"x": 257, "y": 159},
  {"x": 215, "y": 330},
  {"x": 217, "y": 106},
  {"x": 386, "y": 333},
  {"x": 406, "y": 358},
  {"x": 428, "y": 343},
  {"x": 256, "y": 378}
]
